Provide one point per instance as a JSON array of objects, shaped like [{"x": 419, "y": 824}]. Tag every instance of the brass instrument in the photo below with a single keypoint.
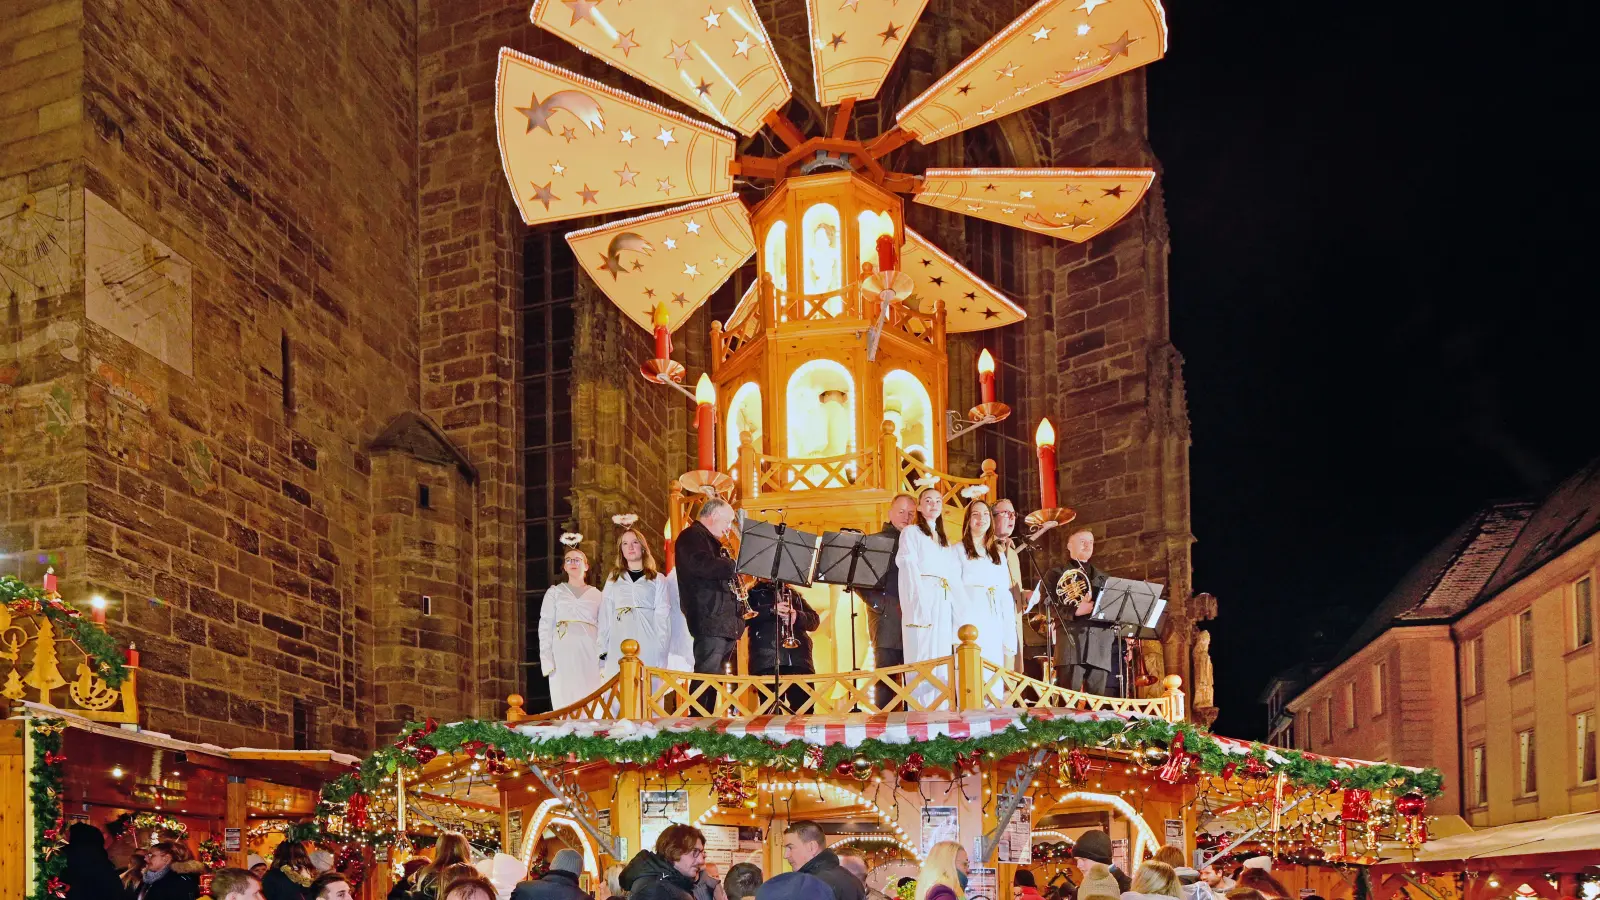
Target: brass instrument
[
  {"x": 1074, "y": 587},
  {"x": 785, "y": 627},
  {"x": 740, "y": 585}
]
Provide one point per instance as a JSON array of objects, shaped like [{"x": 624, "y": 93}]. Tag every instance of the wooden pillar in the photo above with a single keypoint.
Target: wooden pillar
[
  {"x": 626, "y": 816},
  {"x": 236, "y": 814},
  {"x": 14, "y": 848},
  {"x": 969, "y": 670}
]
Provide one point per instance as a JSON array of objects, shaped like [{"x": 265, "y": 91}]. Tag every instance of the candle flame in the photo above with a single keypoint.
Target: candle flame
[
  {"x": 97, "y": 601},
  {"x": 666, "y": 529},
  {"x": 985, "y": 363},
  {"x": 704, "y": 393},
  {"x": 661, "y": 315},
  {"x": 1046, "y": 435}
]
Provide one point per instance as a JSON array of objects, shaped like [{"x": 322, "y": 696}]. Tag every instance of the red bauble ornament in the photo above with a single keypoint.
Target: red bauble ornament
[
  {"x": 1334, "y": 784},
  {"x": 1411, "y": 804},
  {"x": 423, "y": 753},
  {"x": 1256, "y": 768},
  {"x": 844, "y": 769}
]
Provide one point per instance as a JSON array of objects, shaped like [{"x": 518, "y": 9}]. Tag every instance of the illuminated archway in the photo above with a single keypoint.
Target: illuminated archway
[
  {"x": 822, "y": 253},
  {"x": 821, "y": 399},
  {"x": 1144, "y": 835},
  {"x": 776, "y": 254},
  {"x": 907, "y": 405},
  {"x": 744, "y": 414},
  {"x": 545, "y": 816}
]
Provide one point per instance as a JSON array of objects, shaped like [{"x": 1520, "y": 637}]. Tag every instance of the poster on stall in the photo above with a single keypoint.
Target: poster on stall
[
  {"x": 939, "y": 823},
  {"x": 1016, "y": 843},
  {"x": 1174, "y": 832},
  {"x": 657, "y": 810},
  {"x": 513, "y": 843},
  {"x": 982, "y": 884},
  {"x": 1119, "y": 854},
  {"x": 722, "y": 844}
]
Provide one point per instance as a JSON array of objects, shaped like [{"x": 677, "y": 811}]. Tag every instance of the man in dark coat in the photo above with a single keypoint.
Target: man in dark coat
[
  {"x": 1087, "y": 652},
  {"x": 804, "y": 848},
  {"x": 883, "y": 604},
  {"x": 704, "y": 573},
  {"x": 89, "y": 872},
  {"x": 560, "y": 883},
  {"x": 668, "y": 873},
  {"x": 1094, "y": 846},
  {"x": 768, "y": 656}
]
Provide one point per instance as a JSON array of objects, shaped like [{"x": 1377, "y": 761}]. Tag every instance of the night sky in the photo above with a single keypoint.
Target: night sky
[{"x": 1380, "y": 243}]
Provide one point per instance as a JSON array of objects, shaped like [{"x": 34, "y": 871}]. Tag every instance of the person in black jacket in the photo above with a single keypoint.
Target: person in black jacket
[
  {"x": 291, "y": 873},
  {"x": 768, "y": 656},
  {"x": 89, "y": 874},
  {"x": 804, "y": 848},
  {"x": 560, "y": 883},
  {"x": 668, "y": 873},
  {"x": 883, "y": 605},
  {"x": 704, "y": 572},
  {"x": 160, "y": 881}
]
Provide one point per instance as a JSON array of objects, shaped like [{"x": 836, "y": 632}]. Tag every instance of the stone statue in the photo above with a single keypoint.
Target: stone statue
[{"x": 1202, "y": 695}]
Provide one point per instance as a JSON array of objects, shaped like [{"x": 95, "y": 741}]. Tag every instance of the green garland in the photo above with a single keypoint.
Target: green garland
[
  {"x": 49, "y": 825},
  {"x": 95, "y": 642},
  {"x": 941, "y": 752}
]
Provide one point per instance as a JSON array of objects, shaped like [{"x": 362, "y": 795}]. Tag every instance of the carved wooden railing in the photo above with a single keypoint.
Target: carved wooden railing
[
  {"x": 1005, "y": 689},
  {"x": 950, "y": 486},
  {"x": 961, "y": 681},
  {"x": 764, "y": 306},
  {"x": 847, "y": 470},
  {"x": 34, "y": 661}
]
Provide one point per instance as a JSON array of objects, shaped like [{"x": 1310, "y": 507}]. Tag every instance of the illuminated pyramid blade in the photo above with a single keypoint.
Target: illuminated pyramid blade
[
  {"x": 571, "y": 146},
  {"x": 854, "y": 42},
  {"x": 970, "y": 303},
  {"x": 1072, "y": 204},
  {"x": 721, "y": 62},
  {"x": 1055, "y": 47},
  {"x": 677, "y": 256}
]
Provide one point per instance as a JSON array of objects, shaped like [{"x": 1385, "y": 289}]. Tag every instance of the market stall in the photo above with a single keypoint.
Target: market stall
[{"x": 1554, "y": 857}]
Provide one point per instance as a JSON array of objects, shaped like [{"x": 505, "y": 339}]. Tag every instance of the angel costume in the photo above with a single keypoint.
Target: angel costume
[
  {"x": 634, "y": 607},
  {"x": 930, "y": 588},
  {"x": 988, "y": 605},
  {"x": 569, "y": 648}
]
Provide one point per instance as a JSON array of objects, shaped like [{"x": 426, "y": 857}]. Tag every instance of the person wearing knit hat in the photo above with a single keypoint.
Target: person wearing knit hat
[
  {"x": 1094, "y": 846},
  {"x": 1098, "y": 883}
]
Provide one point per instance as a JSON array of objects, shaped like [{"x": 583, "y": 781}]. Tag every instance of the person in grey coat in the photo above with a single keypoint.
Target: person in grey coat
[{"x": 560, "y": 883}]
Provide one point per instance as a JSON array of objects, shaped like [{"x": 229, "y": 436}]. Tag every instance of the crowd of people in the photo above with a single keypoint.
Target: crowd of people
[{"x": 693, "y": 617}]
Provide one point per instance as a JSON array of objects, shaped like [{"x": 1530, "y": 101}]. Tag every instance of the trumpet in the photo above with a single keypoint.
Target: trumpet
[
  {"x": 785, "y": 627},
  {"x": 740, "y": 585}
]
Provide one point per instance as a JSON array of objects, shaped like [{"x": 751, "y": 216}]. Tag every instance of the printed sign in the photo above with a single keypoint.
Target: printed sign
[
  {"x": 1119, "y": 854},
  {"x": 1016, "y": 843},
  {"x": 982, "y": 883},
  {"x": 939, "y": 823},
  {"x": 1174, "y": 830},
  {"x": 514, "y": 832},
  {"x": 657, "y": 810},
  {"x": 232, "y": 839}
]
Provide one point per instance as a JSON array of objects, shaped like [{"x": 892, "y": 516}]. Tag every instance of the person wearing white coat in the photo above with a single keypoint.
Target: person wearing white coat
[
  {"x": 986, "y": 580},
  {"x": 636, "y": 606},
  {"x": 930, "y": 588},
  {"x": 569, "y": 635}
]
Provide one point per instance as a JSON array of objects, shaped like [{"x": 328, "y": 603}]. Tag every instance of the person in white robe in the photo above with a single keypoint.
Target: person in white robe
[
  {"x": 636, "y": 606},
  {"x": 930, "y": 588},
  {"x": 569, "y": 634},
  {"x": 986, "y": 580}
]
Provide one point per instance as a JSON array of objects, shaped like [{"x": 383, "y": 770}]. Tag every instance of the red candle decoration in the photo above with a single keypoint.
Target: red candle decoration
[
  {"x": 887, "y": 257},
  {"x": 97, "y": 609},
  {"x": 663, "y": 336},
  {"x": 667, "y": 548},
  {"x": 1045, "y": 440},
  {"x": 986, "y": 375},
  {"x": 705, "y": 398},
  {"x": 132, "y": 656},
  {"x": 50, "y": 580}
]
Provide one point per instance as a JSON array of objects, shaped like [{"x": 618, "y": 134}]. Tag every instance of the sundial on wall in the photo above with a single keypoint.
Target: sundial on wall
[
  {"x": 136, "y": 287},
  {"x": 35, "y": 262}
]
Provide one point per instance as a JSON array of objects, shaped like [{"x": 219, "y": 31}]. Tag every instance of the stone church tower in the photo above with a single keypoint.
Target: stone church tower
[{"x": 283, "y": 376}]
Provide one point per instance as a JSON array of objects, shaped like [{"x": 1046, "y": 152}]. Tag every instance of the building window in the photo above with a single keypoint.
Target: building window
[
  {"x": 1480, "y": 778},
  {"x": 1523, "y": 655},
  {"x": 305, "y": 725},
  {"x": 1380, "y": 681},
  {"x": 1583, "y": 613},
  {"x": 1586, "y": 751},
  {"x": 1350, "y": 705},
  {"x": 1327, "y": 720},
  {"x": 1527, "y": 765},
  {"x": 1472, "y": 667},
  {"x": 549, "y": 292}
]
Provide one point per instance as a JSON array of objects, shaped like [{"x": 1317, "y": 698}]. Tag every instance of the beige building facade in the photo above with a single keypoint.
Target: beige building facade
[{"x": 1482, "y": 663}]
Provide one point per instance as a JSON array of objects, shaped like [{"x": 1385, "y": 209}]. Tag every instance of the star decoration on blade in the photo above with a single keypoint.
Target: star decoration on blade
[
  {"x": 679, "y": 299},
  {"x": 626, "y": 175},
  {"x": 680, "y": 53},
  {"x": 691, "y": 270},
  {"x": 1009, "y": 70},
  {"x": 989, "y": 313},
  {"x": 664, "y": 185},
  {"x": 892, "y": 33},
  {"x": 1089, "y": 5},
  {"x": 625, "y": 41},
  {"x": 557, "y": 168},
  {"x": 568, "y": 134},
  {"x": 938, "y": 280},
  {"x": 672, "y": 243},
  {"x": 1118, "y": 47},
  {"x": 703, "y": 88},
  {"x": 1024, "y": 195},
  {"x": 741, "y": 47},
  {"x": 692, "y": 226},
  {"x": 628, "y": 136},
  {"x": 712, "y": 18},
  {"x": 836, "y": 41},
  {"x": 665, "y": 137},
  {"x": 582, "y": 10},
  {"x": 1114, "y": 192},
  {"x": 851, "y": 5},
  {"x": 1043, "y": 34},
  {"x": 964, "y": 89},
  {"x": 588, "y": 195},
  {"x": 544, "y": 194}
]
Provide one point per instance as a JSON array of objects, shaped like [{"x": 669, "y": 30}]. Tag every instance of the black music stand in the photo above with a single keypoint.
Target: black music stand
[
  {"x": 776, "y": 552},
  {"x": 1134, "y": 608},
  {"x": 855, "y": 560}
]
